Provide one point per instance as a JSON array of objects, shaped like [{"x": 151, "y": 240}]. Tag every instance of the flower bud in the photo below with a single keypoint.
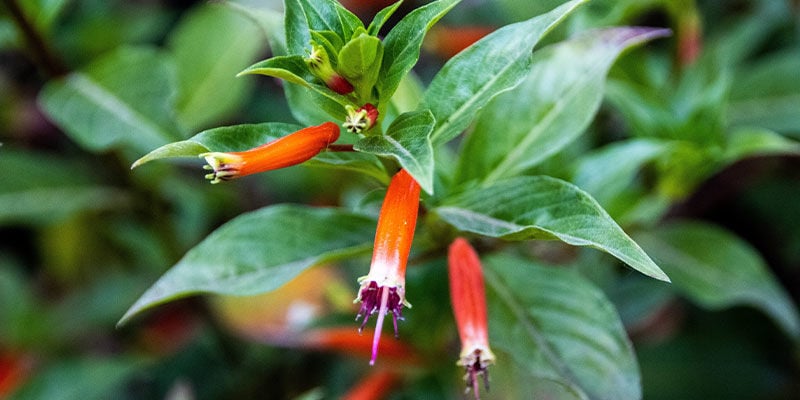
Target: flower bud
[{"x": 320, "y": 66}]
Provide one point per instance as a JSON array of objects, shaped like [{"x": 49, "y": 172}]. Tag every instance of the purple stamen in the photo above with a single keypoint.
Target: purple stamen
[
  {"x": 473, "y": 371},
  {"x": 379, "y": 324},
  {"x": 381, "y": 300}
]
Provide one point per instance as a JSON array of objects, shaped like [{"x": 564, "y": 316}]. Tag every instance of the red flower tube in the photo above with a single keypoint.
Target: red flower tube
[
  {"x": 383, "y": 289},
  {"x": 289, "y": 150},
  {"x": 468, "y": 296}
]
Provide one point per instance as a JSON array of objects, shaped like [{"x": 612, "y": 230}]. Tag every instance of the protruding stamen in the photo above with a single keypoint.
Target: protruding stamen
[
  {"x": 382, "y": 309},
  {"x": 225, "y": 166},
  {"x": 360, "y": 119}
]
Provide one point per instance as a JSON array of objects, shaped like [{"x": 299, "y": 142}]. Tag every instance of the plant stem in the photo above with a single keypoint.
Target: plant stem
[
  {"x": 340, "y": 147},
  {"x": 42, "y": 55}
]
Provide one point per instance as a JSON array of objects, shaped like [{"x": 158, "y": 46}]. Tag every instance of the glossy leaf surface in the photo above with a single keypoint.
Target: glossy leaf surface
[
  {"x": 492, "y": 65},
  {"x": 550, "y": 108},
  {"x": 207, "y": 63},
  {"x": 541, "y": 207},
  {"x": 555, "y": 325},
  {"x": 408, "y": 141},
  {"x": 403, "y": 42},
  {"x": 224, "y": 139},
  {"x": 260, "y": 251},
  {"x": 100, "y": 109}
]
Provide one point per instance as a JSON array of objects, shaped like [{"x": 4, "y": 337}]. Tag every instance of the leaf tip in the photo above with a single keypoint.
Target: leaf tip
[
  {"x": 139, "y": 162},
  {"x": 659, "y": 274},
  {"x": 127, "y": 316},
  {"x": 427, "y": 186}
]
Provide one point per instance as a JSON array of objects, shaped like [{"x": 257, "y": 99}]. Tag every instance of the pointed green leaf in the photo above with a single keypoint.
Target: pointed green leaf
[
  {"x": 717, "y": 270},
  {"x": 555, "y": 325},
  {"x": 550, "y": 108},
  {"x": 303, "y": 16},
  {"x": 349, "y": 22},
  {"x": 207, "y": 63},
  {"x": 381, "y": 17},
  {"x": 260, "y": 251},
  {"x": 297, "y": 28},
  {"x": 408, "y": 141},
  {"x": 494, "y": 64},
  {"x": 292, "y": 69},
  {"x": 403, "y": 42},
  {"x": 226, "y": 138},
  {"x": 99, "y": 108},
  {"x": 541, "y": 207},
  {"x": 330, "y": 41}
]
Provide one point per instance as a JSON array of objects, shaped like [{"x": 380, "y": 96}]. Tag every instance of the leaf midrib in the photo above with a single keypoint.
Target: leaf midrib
[
  {"x": 549, "y": 353},
  {"x": 205, "y": 87},
  {"x": 113, "y": 104},
  {"x": 447, "y": 121},
  {"x": 522, "y": 148}
]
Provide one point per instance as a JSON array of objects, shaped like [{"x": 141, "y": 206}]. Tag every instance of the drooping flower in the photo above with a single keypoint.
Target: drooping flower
[
  {"x": 320, "y": 66},
  {"x": 383, "y": 289},
  {"x": 468, "y": 296},
  {"x": 360, "y": 119},
  {"x": 289, "y": 150}
]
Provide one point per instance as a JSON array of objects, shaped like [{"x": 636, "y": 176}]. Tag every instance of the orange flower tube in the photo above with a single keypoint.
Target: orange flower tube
[
  {"x": 468, "y": 295},
  {"x": 383, "y": 289},
  {"x": 289, "y": 150}
]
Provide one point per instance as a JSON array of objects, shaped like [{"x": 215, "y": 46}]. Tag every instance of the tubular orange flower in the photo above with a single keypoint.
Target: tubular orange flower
[
  {"x": 468, "y": 296},
  {"x": 320, "y": 66},
  {"x": 383, "y": 289},
  {"x": 289, "y": 150}
]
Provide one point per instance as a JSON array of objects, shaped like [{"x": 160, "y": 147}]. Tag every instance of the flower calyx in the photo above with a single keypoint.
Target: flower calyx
[{"x": 360, "y": 119}]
